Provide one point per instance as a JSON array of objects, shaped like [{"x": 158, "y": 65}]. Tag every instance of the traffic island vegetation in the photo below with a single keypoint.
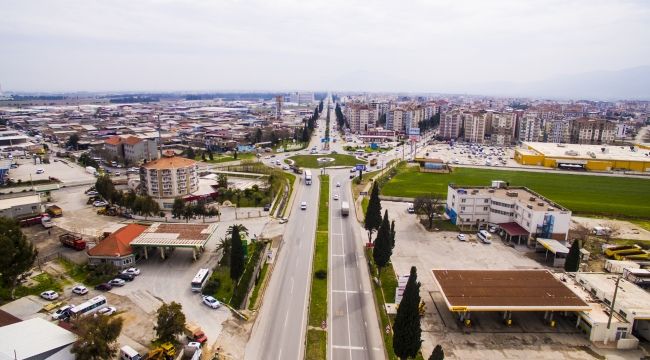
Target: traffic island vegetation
[
  {"x": 311, "y": 161},
  {"x": 616, "y": 197},
  {"x": 316, "y": 346}
]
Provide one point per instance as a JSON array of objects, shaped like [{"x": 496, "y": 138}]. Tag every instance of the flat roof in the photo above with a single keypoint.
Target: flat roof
[
  {"x": 553, "y": 245},
  {"x": 506, "y": 290},
  {"x": 32, "y": 338},
  {"x": 176, "y": 235},
  {"x": 19, "y": 201},
  {"x": 630, "y": 297},
  {"x": 509, "y": 195},
  {"x": 588, "y": 152}
]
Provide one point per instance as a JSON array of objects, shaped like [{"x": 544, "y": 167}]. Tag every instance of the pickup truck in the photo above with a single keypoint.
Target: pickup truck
[
  {"x": 192, "y": 351},
  {"x": 194, "y": 333}
]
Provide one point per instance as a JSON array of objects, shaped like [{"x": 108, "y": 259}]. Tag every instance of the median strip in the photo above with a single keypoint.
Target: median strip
[{"x": 316, "y": 347}]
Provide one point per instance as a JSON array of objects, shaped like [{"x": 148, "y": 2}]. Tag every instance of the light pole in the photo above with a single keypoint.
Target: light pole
[{"x": 611, "y": 308}]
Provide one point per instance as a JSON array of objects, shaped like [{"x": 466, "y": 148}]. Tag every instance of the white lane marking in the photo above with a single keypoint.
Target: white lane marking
[
  {"x": 345, "y": 286},
  {"x": 350, "y": 292},
  {"x": 338, "y": 255},
  {"x": 348, "y": 347},
  {"x": 291, "y": 291},
  {"x": 280, "y": 354}
]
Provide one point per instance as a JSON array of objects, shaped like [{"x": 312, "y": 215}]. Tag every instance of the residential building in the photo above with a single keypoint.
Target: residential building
[
  {"x": 167, "y": 178},
  {"x": 131, "y": 149},
  {"x": 558, "y": 131},
  {"x": 503, "y": 126},
  {"x": 361, "y": 117},
  {"x": 21, "y": 206},
  {"x": 474, "y": 127},
  {"x": 116, "y": 248},
  {"x": 451, "y": 123},
  {"x": 530, "y": 127},
  {"x": 302, "y": 98},
  {"x": 592, "y": 131},
  {"x": 395, "y": 119},
  {"x": 519, "y": 212}
]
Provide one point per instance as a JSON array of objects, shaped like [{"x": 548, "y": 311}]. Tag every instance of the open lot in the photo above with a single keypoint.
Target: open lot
[
  {"x": 65, "y": 171},
  {"x": 311, "y": 161},
  {"x": 466, "y": 155},
  {"x": 588, "y": 194},
  {"x": 528, "y": 337}
]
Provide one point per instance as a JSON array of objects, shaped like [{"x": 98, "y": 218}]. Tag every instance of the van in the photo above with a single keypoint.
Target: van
[
  {"x": 484, "y": 236},
  {"x": 127, "y": 353}
]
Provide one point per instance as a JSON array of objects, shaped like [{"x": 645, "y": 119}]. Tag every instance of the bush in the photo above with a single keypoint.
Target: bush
[
  {"x": 321, "y": 274},
  {"x": 211, "y": 287}
]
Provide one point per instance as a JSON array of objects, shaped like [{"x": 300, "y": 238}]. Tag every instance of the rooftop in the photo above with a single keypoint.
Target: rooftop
[
  {"x": 588, "y": 152},
  {"x": 118, "y": 243},
  {"x": 43, "y": 336},
  {"x": 523, "y": 195},
  {"x": 19, "y": 201},
  {"x": 501, "y": 290},
  {"x": 173, "y": 162},
  {"x": 630, "y": 297},
  {"x": 176, "y": 235}
]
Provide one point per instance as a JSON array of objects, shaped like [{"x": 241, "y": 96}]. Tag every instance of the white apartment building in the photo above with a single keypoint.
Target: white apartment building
[
  {"x": 301, "y": 98},
  {"x": 558, "y": 131},
  {"x": 474, "y": 125},
  {"x": 361, "y": 117},
  {"x": 395, "y": 119},
  {"x": 450, "y": 124},
  {"x": 530, "y": 127},
  {"x": 520, "y": 213},
  {"x": 503, "y": 128},
  {"x": 168, "y": 178}
]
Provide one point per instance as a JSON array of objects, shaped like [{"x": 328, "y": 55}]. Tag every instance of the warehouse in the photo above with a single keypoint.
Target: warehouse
[
  {"x": 584, "y": 157},
  {"x": 20, "y": 206}
]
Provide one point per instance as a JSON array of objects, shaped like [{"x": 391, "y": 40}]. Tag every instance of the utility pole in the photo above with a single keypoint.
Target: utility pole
[{"x": 611, "y": 309}]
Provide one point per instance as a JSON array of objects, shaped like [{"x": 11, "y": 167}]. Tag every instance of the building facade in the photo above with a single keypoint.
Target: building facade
[
  {"x": 503, "y": 128},
  {"x": 592, "y": 131},
  {"x": 361, "y": 117},
  {"x": 131, "y": 149},
  {"x": 530, "y": 127},
  {"x": 474, "y": 127},
  {"x": 395, "y": 119},
  {"x": 168, "y": 178},
  {"x": 451, "y": 123}
]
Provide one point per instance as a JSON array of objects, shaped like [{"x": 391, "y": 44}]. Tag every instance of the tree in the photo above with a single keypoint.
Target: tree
[
  {"x": 224, "y": 246},
  {"x": 17, "y": 254},
  {"x": 407, "y": 337},
  {"x": 210, "y": 156},
  {"x": 97, "y": 337},
  {"x": 222, "y": 181},
  {"x": 177, "y": 208},
  {"x": 373, "y": 213},
  {"x": 258, "y": 135},
  {"x": 170, "y": 322},
  {"x": 203, "y": 156},
  {"x": 320, "y": 106},
  {"x": 392, "y": 234},
  {"x": 234, "y": 154},
  {"x": 236, "y": 252},
  {"x": 382, "y": 250},
  {"x": 188, "y": 213},
  {"x": 428, "y": 206},
  {"x": 572, "y": 263},
  {"x": 437, "y": 354},
  {"x": 73, "y": 141},
  {"x": 189, "y": 153}
]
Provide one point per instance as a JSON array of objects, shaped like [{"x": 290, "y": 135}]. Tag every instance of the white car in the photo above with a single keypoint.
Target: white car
[
  {"x": 132, "y": 271},
  {"x": 117, "y": 282},
  {"x": 303, "y": 205},
  {"x": 284, "y": 220},
  {"x": 100, "y": 203},
  {"x": 49, "y": 295},
  {"x": 338, "y": 184},
  {"x": 109, "y": 310},
  {"x": 336, "y": 196},
  {"x": 493, "y": 229},
  {"x": 211, "y": 302},
  {"x": 80, "y": 290},
  {"x": 40, "y": 171},
  {"x": 462, "y": 237},
  {"x": 285, "y": 167},
  {"x": 61, "y": 312}
]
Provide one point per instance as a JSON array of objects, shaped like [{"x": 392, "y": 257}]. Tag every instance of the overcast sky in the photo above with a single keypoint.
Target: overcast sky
[{"x": 374, "y": 45}]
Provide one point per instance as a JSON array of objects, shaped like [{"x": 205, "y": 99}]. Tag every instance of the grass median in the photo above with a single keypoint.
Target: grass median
[
  {"x": 311, "y": 161},
  {"x": 316, "y": 338}
]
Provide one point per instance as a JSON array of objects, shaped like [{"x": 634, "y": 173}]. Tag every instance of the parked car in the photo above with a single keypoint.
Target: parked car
[
  {"x": 462, "y": 237},
  {"x": 267, "y": 207},
  {"x": 284, "y": 220},
  {"x": 80, "y": 290},
  {"x": 132, "y": 271},
  {"x": 109, "y": 310},
  {"x": 62, "y": 313},
  {"x": 117, "y": 282},
  {"x": 92, "y": 193},
  {"x": 104, "y": 287},
  {"x": 411, "y": 210},
  {"x": 338, "y": 184},
  {"x": 49, "y": 295},
  {"x": 125, "y": 277},
  {"x": 211, "y": 302},
  {"x": 40, "y": 171},
  {"x": 100, "y": 203},
  {"x": 493, "y": 229}
]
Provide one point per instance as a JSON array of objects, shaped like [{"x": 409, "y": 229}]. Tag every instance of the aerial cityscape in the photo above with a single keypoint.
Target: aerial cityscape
[{"x": 324, "y": 180}]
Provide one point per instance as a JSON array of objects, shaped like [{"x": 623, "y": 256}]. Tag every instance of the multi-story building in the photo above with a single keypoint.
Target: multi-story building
[
  {"x": 131, "y": 149},
  {"x": 168, "y": 178},
  {"x": 530, "y": 127},
  {"x": 521, "y": 213},
  {"x": 361, "y": 117},
  {"x": 558, "y": 131},
  {"x": 395, "y": 119},
  {"x": 592, "y": 131},
  {"x": 474, "y": 127},
  {"x": 303, "y": 98},
  {"x": 503, "y": 126},
  {"x": 451, "y": 123}
]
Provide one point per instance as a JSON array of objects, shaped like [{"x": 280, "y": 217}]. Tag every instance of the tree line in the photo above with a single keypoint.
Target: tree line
[
  {"x": 143, "y": 205},
  {"x": 341, "y": 121}
]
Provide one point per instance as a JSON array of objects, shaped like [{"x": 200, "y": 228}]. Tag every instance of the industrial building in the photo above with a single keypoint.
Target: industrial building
[
  {"x": 584, "y": 157},
  {"x": 20, "y": 206},
  {"x": 36, "y": 339},
  {"x": 521, "y": 214}
]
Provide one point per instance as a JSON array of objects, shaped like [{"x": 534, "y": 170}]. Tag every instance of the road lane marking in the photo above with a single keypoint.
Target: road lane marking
[
  {"x": 291, "y": 291},
  {"x": 338, "y": 255},
  {"x": 350, "y": 292},
  {"x": 348, "y": 347}
]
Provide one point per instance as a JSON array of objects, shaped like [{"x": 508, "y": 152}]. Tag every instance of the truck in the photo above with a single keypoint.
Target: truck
[
  {"x": 73, "y": 241},
  {"x": 194, "y": 333},
  {"x": 308, "y": 177},
  {"x": 345, "y": 208},
  {"x": 373, "y": 161},
  {"x": 91, "y": 170},
  {"x": 30, "y": 221},
  {"x": 54, "y": 210},
  {"x": 192, "y": 351}
]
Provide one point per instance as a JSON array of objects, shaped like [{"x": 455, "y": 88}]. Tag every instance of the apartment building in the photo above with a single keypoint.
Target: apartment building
[
  {"x": 301, "y": 98},
  {"x": 167, "y": 178},
  {"x": 592, "y": 131},
  {"x": 130, "y": 149},
  {"x": 451, "y": 123},
  {"x": 558, "y": 131},
  {"x": 474, "y": 125},
  {"x": 395, "y": 119},
  {"x": 361, "y": 117},
  {"x": 521, "y": 214},
  {"x": 530, "y": 127},
  {"x": 503, "y": 125}
]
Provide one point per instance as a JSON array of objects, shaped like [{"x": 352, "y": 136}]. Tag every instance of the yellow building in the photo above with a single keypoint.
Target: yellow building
[{"x": 587, "y": 157}]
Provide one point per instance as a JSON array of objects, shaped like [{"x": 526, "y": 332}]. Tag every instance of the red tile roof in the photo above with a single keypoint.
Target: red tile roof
[
  {"x": 131, "y": 140},
  {"x": 174, "y": 162},
  {"x": 118, "y": 243},
  {"x": 113, "y": 140}
]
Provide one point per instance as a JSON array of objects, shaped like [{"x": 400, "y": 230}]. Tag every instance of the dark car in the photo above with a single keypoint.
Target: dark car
[
  {"x": 104, "y": 287},
  {"x": 125, "y": 277},
  {"x": 267, "y": 207}
]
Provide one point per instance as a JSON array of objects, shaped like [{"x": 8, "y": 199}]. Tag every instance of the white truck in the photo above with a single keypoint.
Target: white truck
[
  {"x": 308, "y": 177},
  {"x": 192, "y": 351},
  {"x": 345, "y": 208},
  {"x": 91, "y": 170}
]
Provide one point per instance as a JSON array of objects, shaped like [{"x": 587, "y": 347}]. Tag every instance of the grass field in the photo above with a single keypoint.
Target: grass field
[
  {"x": 310, "y": 161},
  {"x": 318, "y": 298},
  {"x": 586, "y": 194}
]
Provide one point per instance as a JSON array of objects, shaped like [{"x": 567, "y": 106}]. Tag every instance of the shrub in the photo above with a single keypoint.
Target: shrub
[
  {"x": 211, "y": 287},
  {"x": 321, "y": 274}
]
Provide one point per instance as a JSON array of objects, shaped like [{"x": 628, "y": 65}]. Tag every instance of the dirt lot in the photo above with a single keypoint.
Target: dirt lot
[
  {"x": 65, "y": 171},
  {"x": 620, "y": 229}
]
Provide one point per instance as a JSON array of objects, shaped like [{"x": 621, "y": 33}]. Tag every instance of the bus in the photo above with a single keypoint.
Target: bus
[
  {"x": 89, "y": 306},
  {"x": 200, "y": 279},
  {"x": 308, "y": 177}
]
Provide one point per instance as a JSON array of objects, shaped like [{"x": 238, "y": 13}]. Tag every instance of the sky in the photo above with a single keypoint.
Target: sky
[{"x": 345, "y": 45}]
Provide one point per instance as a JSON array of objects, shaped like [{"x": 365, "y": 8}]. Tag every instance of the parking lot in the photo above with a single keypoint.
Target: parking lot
[
  {"x": 528, "y": 337},
  {"x": 64, "y": 170},
  {"x": 465, "y": 154}
]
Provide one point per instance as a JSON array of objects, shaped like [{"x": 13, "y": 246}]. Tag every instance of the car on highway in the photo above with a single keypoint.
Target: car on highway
[
  {"x": 80, "y": 290},
  {"x": 49, "y": 295},
  {"x": 338, "y": 184},
  {"x": 336, "y": 196},
  {"x": 303, "y": 205},
  {"x": 117, "y": 282},
  {"x": 285, "y": 167},
  {"x": 132, "y": 271},
  {"x": 103, "y": 287},
  {"x": 462, "y": 237},
  {"x": 211, "y": 302},
  {"x": 62, "y": 312},
  {"x": 109, "y": 310}
]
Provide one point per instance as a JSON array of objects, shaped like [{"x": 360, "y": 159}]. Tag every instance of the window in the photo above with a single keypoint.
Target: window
[
  {"x": 462, "y": 208},
  {"x": 485, "y": 208},
  {"x": 462, "y": 200},
  {"x": 486, "y": 201},
  {"x": 623, "y": 314}
]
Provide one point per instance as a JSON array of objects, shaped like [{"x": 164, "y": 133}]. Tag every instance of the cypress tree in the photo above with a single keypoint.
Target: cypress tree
[
  {"x": 572, "y": 263},
  {"x": 407, "y": 337},
  {"x": 236, "y": 254},
  {"x": 392, "y": 234},
  {"x": 373, "y": 213},
  {"x": 437, "y": 354},
  {"x": 382, "y": 251}
]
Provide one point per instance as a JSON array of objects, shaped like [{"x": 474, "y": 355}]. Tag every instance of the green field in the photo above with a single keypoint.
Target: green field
[
  {"x": 585, "y": 194},
  {"x": 310, "y": 161}
]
